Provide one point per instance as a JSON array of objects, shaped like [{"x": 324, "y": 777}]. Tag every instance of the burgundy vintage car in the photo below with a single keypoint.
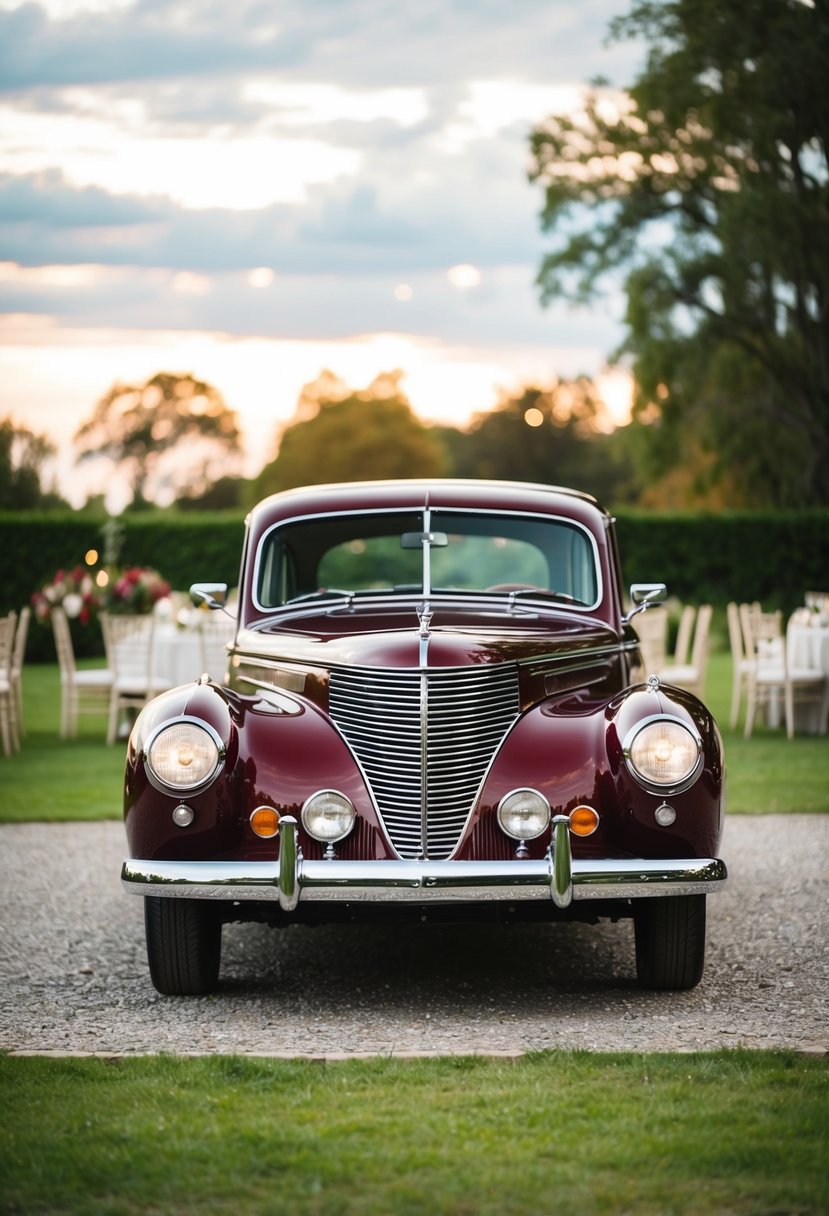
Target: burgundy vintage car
[{"x": 434, "y": 707}]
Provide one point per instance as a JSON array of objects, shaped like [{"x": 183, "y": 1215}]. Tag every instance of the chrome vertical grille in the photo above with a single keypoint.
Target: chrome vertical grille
[{"x": 451, "y": 721}]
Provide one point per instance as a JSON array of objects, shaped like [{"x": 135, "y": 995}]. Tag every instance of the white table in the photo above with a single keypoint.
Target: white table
[
  {"x": 808, "y": 646},
  {"x": 178, "y": 655}
]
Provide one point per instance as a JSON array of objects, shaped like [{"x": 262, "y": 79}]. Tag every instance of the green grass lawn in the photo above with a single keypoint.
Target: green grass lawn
[
  {"x": 52, "y": 778},
  {"x": 732, "y": 1132}
]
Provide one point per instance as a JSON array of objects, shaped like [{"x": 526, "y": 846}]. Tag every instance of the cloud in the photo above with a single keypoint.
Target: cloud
[
  {"x": 500, "y": 309},
  {"x": 155, "y": 154},
  {"x": 356, "y": 42},
  {"x": 143, "y": 42},
  {"x": 348, "y": 228}
]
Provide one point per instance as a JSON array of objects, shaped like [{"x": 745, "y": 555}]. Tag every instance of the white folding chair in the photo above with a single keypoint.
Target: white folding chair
[
  {"x": 215, "y": 631},
  {"x": 741, "y": 662},
  {"x": 651, "y": 628},
  {"x": 775, "y": 674},
  {"x": 81, "y": 692},
  {"x": 692, "y": 675},
  {"x": 684, "y": 634},
  {"x": 128, "y": 640},
  {"x": 7, "y": 718},
  {"x": 16, "y": 670}
]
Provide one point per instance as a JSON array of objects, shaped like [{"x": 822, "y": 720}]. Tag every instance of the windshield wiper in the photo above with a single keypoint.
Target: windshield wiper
[
  {"x": 562, "y": 597},
  {"x": 324, "y": 593}
]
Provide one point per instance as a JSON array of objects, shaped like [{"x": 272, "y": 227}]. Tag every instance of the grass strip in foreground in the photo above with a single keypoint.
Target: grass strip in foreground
[{"x": 737, "y": 1132}]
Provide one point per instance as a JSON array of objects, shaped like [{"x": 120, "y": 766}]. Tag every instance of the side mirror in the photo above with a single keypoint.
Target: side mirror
[
  {"x": 214, "y": 595},
  {"x": 645, "y": 595}
]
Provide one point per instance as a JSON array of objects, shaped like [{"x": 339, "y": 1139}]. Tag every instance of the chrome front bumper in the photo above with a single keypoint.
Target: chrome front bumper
[{"x": 292, "y": 879}]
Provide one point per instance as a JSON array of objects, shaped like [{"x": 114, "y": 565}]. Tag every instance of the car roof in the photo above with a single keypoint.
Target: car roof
[{"x": 433, "y": 492}]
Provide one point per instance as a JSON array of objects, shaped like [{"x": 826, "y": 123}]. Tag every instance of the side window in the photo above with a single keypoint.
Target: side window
[{"x": 277, "y": 574}]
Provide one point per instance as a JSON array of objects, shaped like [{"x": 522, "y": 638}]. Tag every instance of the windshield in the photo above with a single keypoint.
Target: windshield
[{"x": 445, "y": 551}]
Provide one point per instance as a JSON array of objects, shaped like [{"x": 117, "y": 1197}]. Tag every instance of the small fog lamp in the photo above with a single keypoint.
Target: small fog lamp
[
  {"x": 523, "y": 814},
  {"x": 665, "y": 815},
  {"x": 183, "y": 815},
  {"x": 328, "y": 816}
]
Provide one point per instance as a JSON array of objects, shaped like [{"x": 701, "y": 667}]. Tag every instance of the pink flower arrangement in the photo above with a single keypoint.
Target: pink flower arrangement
[
  {"x": 136, "y": 589},
  {"x": 72, "y": 590}
]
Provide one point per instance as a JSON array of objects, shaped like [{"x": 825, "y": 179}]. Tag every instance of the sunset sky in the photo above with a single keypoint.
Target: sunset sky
[{"x": 253, "y": 192}]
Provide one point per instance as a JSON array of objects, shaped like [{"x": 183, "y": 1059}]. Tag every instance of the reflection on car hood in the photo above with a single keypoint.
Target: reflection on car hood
[{"x": 456, "y": 638}]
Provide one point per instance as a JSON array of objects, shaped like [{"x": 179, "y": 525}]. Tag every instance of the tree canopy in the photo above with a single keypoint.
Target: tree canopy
[
  {"x": 344, "y": 434},
  {"x": 171, "y": 435},
  {"x": 22, "y": 457},
  {"x": 551, "y": 435},
  {"x": 705, "y": 185}
]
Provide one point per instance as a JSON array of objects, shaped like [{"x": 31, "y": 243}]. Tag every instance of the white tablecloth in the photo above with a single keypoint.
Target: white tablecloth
[
  {"x": 178, "y": 656},
  {"x": 809, "y": 647}
]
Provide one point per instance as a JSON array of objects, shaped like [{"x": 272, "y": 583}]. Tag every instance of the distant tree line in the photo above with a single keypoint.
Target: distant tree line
[{"x": 174, "y": 444}]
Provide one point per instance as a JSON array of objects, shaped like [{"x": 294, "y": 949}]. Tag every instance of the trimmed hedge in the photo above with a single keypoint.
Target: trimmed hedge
[
  {"x": 184, "y": 548},
  {"x": 769, "y": 556},
  {"x": 703, "y": 557}
]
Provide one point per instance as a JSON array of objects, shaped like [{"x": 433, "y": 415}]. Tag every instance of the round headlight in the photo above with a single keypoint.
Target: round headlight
[
  {"x": 523, "y": 814},
  {"x": 328, "y": 816},
  {"x": 184, "y": 755},
  {"x": 663, "y": 752}
]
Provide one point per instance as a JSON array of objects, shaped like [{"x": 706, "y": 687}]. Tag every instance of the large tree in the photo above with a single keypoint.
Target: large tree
[
  {"x": 172, "y": 435},
  {"x": 22, "y": 457},
  {"x": 706, "y": 186},
  {"x": 551, "y": 435},
  {"x": 345, "y": 434}
]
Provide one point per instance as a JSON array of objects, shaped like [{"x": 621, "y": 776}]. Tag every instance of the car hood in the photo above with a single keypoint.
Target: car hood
[{"x": 454, "y": 638}]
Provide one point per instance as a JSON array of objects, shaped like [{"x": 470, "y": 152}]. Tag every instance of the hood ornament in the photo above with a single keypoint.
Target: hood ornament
[{"x": 424, "y": 616}]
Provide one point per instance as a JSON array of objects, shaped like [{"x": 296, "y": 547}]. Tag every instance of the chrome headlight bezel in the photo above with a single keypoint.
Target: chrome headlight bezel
[
  {"x": 672, "y": 781},
  {"x": 516, "y": 830},
  {"x": 208, "y": 770},
  {"x": 331, "y": 834}
]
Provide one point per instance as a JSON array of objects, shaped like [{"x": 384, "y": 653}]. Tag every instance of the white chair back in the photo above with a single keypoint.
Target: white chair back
[
  {"x": 651, "y": 627},
  {"x": 774, "y": 676},
  {"x": 684, "y": 634},
  {"x": 8, "y": 735},
  {"x": 215, "y": 633},
  {"x": 128, "y": 640},
  {"x": 86, "y": 691}
]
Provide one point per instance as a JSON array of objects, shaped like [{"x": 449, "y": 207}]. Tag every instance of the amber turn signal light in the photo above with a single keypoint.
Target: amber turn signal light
[
  {"x": 583, "y": 821},
  {"x": 265, "y": 821}
]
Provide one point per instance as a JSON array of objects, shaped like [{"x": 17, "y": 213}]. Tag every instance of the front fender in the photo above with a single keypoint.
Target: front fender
[
  {"x": 277, "y": 747},
  {"x": 570, "y": 750}
]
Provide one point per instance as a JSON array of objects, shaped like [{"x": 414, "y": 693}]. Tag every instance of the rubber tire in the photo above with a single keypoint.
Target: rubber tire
[
  {"x": 184, "y": 945},
  {"x": 670, "y": 941}
]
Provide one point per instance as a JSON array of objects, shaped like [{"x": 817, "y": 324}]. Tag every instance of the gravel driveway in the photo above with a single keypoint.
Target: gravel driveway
[{"x": 73, "y": 973}]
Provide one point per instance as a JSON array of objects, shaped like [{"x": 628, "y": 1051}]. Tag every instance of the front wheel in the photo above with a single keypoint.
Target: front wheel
[
  {"x": 670, "y": 941},
  {"x": 184, "y": 945}
]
